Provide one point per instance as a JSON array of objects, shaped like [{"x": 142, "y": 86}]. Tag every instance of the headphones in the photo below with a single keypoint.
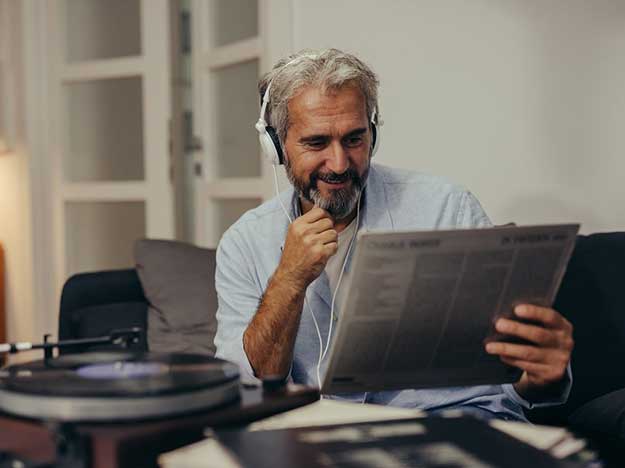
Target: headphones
[
  {"x": 270, "y": 142},
  {"x": 270, "y": 145}
]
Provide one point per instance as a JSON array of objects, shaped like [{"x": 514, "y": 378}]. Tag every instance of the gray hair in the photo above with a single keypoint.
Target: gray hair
[{"x": 328, "y": 69}]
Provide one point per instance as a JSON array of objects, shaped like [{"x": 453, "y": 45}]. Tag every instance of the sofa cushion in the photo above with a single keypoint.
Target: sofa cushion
[
  {"x": 178, "y": 280},
  {"x": 603, "y": 415}
]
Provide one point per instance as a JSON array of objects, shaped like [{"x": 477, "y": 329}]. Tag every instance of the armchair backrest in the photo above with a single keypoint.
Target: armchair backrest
[{"x": 93, "y": 304}]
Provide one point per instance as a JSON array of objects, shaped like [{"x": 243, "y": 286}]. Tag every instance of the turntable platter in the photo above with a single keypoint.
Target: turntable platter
[{"x": 117, "y": 386}]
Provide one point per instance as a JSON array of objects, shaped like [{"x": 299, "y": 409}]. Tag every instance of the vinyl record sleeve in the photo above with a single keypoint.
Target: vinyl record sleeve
[{"x": 422, "y": 442}]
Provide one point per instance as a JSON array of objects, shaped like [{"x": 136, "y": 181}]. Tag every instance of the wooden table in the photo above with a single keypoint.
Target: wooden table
[{"x": 138, "y": 444}]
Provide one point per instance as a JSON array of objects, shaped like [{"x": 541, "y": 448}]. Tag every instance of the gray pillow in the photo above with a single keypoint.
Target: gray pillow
[{"x": 178, "y": 280}]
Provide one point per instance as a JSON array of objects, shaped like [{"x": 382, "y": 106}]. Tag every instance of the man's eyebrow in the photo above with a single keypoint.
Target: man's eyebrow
[
  {"x": 319, "y": 137},
  {"x": 311, "y": 138},
  {"x": 356, "y": 132}
]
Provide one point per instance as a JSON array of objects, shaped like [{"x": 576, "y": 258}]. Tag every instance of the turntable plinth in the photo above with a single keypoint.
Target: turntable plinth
[{"x": 132, "y": 444}]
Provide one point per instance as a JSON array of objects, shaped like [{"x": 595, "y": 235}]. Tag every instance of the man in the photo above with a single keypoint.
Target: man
[{"x": 275, "y": 279}]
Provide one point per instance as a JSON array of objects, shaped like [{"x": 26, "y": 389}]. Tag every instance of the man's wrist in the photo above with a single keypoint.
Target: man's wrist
[
  {"x": 537, "y": 393},
  {"x": 287, "y": 278}
]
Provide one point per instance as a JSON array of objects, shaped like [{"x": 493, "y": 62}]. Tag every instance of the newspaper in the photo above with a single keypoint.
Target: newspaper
[{"x": 419, "y": 306}]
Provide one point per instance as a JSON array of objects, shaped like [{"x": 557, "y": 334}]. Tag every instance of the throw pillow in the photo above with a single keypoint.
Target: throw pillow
[{"x": 178, "y": 280}]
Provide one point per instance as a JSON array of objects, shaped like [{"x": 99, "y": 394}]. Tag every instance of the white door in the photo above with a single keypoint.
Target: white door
[
  {"x": 234, "y": 42},
  {"x": 108, "y": 124}
]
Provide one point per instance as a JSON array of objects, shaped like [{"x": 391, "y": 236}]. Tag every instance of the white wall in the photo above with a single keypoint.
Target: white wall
[{"x": 523, "y": 101}]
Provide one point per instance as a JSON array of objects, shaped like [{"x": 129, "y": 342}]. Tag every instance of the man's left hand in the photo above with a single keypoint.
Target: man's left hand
[{"x": 545, "y": 358}]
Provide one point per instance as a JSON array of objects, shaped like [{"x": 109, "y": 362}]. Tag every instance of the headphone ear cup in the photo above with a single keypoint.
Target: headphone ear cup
[
  {"x": 275, "y": 140},
  {"x": 269, "y": 144},
  {"x": 375, "y": 139}
]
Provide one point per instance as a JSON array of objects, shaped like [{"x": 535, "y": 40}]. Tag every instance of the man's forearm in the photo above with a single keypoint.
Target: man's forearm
[{"x": 269, "y": 338}]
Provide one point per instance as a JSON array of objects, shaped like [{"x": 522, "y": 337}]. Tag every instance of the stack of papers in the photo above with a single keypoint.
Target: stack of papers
[{"x": 328, "y": 412}]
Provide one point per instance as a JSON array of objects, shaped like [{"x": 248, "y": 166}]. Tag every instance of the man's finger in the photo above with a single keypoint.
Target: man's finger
[
  {"x": 327, "y": 237},
  {"x": 535, "y": 334},
  {"x": 516, "y": 351},
  {"x": 528, "y": 366},
  {"x": 315, "y": 214},
  {"x": 331, "y": 248},
  {"x": 549, "y": 317},
  {"x": 321, "y": 225}
]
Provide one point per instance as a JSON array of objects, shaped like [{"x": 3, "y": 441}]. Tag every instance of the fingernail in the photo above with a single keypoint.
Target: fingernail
[
  {"x": 520, "y": 309},
  {"x": 490, "y": 348},
  {"x": 501, "y": 325}
]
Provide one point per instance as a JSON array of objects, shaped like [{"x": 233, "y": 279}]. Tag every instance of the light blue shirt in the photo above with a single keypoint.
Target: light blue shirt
[{"x": 249, "y": 253}]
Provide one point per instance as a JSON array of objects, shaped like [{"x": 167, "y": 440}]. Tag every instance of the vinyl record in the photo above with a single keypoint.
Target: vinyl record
[{"x": 117, "y": 385}]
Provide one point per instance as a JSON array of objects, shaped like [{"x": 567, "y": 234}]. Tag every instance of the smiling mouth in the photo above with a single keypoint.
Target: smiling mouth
[{"x": 336, "y": 184}]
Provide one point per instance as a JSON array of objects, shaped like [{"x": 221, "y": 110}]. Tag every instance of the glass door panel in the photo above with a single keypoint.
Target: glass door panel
[
  {"x": 104, "y": 130},
  {"x": 233, "y": 20},
  {"x": 236, "y": 111},
  {"x": 229, "y": 211},
  {"x": 102, "y": 29},
  {"x": 101, "y": 235}
]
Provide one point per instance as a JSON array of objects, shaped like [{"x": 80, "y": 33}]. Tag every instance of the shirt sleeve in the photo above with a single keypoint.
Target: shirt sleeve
[
  {"x": 238, "y": 297},
  {"x": 560, "y": 399},
  {"x": 471, "y": 214}
]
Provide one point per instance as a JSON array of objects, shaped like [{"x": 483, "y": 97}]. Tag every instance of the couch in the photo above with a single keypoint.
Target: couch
[{"x": 171, "y": 292}]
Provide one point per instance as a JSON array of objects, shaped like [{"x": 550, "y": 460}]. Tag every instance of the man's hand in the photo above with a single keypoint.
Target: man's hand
[
  {"x": 310, "y": 241},
  {"x": 545, "y": 359}
]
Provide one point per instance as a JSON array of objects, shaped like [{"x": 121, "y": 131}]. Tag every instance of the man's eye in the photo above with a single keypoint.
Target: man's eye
[
  {"x": 316, "y": 144},
  {"x": 353, "y": 141}
]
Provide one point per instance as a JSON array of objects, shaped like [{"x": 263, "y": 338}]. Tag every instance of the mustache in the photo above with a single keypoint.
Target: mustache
[{"x": 334, "y": 178}]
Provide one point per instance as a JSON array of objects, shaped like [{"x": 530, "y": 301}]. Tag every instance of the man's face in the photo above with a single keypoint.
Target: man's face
[{"x": 327, "y": 148}]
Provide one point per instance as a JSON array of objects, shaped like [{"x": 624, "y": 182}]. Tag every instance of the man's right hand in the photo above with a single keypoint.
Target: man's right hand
[{"x": 310, "y": 241}]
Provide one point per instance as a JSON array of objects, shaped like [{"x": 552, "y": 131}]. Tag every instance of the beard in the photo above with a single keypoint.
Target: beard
[{"x": 340, "y": 202}]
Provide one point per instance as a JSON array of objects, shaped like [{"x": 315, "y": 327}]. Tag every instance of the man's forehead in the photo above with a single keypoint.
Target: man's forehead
[{"x": 316, "y": 106}]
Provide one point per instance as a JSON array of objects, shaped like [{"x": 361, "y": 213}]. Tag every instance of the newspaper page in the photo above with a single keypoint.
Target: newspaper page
[{"x": 419, "y": 306}]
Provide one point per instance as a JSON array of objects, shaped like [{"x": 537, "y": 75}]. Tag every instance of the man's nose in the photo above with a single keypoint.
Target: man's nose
[{"x": 337, "y": 159}]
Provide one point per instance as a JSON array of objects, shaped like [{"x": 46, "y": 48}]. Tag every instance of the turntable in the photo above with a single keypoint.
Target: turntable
[
  {"x": 114, "y": 386},
  {"x": 121, "y": 408}
]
